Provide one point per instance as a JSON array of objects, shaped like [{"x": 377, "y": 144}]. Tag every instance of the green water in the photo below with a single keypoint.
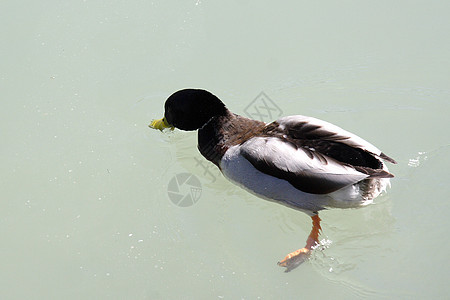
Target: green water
[{"x": 85, "y": 210}]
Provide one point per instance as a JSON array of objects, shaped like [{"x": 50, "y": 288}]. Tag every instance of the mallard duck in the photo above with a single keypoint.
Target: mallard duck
[{"x": 298, "y": 161}]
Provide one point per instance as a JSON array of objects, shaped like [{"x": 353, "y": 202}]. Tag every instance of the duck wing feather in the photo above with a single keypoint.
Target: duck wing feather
[{"x": 308, "y": 171}]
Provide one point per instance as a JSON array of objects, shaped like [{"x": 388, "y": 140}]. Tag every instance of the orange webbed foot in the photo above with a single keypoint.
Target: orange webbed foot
[{"x": 294, "y": 259}]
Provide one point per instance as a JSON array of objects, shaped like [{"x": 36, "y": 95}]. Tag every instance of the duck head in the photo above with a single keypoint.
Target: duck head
[{"x": 189, "y": 109}]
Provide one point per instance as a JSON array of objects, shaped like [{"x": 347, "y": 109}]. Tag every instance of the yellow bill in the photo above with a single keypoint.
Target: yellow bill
[{"x": 160, "y": 124}]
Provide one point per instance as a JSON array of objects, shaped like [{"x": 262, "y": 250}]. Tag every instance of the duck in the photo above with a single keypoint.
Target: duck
[{"x": 298, "y": 161}]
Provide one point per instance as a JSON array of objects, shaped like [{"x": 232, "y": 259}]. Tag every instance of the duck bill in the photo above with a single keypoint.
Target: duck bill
[{"x": 160, "y": 124}]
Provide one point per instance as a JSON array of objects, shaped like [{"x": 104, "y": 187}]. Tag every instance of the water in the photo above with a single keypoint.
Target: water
[{"x": 85, "y": 211}]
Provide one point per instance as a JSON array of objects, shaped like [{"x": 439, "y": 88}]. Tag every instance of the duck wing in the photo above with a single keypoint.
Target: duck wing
[
  {"x": 308, "y": 171},
  {"x": 312, "y": 132}
]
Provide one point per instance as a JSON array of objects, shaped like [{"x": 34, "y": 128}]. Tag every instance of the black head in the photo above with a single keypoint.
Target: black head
[{"x": 190, "y": 109}]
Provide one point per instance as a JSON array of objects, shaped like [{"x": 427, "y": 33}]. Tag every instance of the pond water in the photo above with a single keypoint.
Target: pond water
[{"x": 90, "y": 206}]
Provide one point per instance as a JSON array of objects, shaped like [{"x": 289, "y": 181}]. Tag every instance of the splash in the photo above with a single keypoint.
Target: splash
[{"x": 415, "y": 162}]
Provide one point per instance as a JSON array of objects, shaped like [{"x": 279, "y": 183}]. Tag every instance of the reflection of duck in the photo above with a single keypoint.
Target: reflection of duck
[{"x": 298, "y": 161}]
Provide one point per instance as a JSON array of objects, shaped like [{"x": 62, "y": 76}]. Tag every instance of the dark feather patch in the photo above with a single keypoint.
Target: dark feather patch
[
  {"x": 387, "y": 158},
  {"x": 374, "y": 173}
]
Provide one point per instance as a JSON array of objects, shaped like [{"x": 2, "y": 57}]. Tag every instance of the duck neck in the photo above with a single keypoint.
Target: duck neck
[
  {"x": 222, "y": 132},
  {"x": 211, "y": 137}
]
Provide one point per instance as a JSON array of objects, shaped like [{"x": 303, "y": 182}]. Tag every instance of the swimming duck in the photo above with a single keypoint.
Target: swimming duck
[{"x": 298, "y": 161}]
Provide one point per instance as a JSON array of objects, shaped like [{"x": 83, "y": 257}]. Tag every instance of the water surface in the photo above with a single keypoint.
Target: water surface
[{"x": 85, "y": 211}]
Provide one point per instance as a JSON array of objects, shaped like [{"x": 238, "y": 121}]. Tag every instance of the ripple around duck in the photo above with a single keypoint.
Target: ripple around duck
[{"x": 341, "y": 270}]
